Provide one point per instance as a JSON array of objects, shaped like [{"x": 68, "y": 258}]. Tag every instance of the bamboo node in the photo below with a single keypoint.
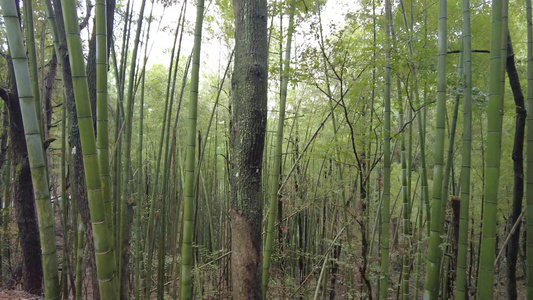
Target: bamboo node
[{"x": 103, "y": 252}]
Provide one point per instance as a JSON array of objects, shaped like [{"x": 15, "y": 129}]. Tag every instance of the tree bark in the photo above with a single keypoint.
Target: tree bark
[
  {"x": 110, "y": 16},
  {"x": 247, "y": 138},
  {"x": 49, "y": 80},
  {"x": 90, "y": 68},
  {"x": 518, "y": 168},
  {"x": 3, "y": 135},
  {"x": 32, "y": 271}
]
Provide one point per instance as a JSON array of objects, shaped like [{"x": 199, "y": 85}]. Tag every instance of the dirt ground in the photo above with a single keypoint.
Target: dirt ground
[{"x": 17, "y": 295}]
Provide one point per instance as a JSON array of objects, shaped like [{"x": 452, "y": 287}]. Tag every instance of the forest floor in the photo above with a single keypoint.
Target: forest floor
[{"x": 17, "y": 295}]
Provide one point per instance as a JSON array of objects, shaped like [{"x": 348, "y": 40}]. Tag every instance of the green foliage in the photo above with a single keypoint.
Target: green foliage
[{"x": 335, "y": 88}]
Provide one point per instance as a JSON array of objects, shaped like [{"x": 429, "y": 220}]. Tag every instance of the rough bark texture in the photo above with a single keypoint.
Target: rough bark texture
[
  {"x": 248, "y": 126},
  {"x": 456, "y": 208},
  {"x": 90, "y": 68},
  {"x": 49, "y": 80},
  {"x": 518, "y": 167},
  {"x": 77, "y": 178},
  {"x": 32, "y": 271},
  {"x": 110, "y": 16},
  {"x": 3, "y": 136},
  {"x": 246, "y": 257}
]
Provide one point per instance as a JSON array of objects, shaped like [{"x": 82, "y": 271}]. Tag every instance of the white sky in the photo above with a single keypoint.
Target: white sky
[{"x": 214, "y": 52}]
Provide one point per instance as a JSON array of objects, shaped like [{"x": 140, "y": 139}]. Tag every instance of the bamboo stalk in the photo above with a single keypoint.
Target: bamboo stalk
[
  {"x": 105, "y": 260},
  {"x": 186, "y": 249},
  {"x": 494, "y": 122},
  {"x": 276, "y": 174},
  {"x": 36, "y": 156}
]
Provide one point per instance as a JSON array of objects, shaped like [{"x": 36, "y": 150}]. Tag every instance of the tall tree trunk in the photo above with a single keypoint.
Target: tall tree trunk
[
  {"x": 518, "y": 167},
  {"x": 247, "y": 138},
  {"x": 529, "y": 159},
  {"x": 49, "y": 81}
]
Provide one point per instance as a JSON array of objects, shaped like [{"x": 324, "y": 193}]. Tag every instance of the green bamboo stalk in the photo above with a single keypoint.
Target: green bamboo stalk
[
  {"x": 102, "y": 141},
  {"x": 124, "y": 52},
  {"x": 180, "y": 171},
  {"x": 125, "y": 203},
  {"x": 406, "y": 209},
  {"x": 140, "y": 193},
  {"x": 323, "y": 269},
  {"x": 461, "y": 288},
  {"x": 529, "y": 153},
  {"x": 105, "y": 261},
  {"x": 167, "y": 163},
  {"x": 404, "y": 284},
  {"x": 178, "y": 231},
  {"x": 51, "y": 17},
  {"x": 150, "y": 231},
  {"x": 422, "y": 122},
  {"x": 35, "y": 149},
  {"x": 431, "y": 286},
  {"x": 503, "y": 55},
  {"x": 186, "y": 250},
  {"x": 449, "y": 157},
  {"x": 32, "y": 58},
  {"x": 420, "y": 221},
  {"x": 385, "y": 207},
  {"x": 404, "y": 278},
  {"x": 202, "y": 152},
  {"x": 445, "y": 191},
  {"x": 486, "y": 264},
  {"x": 371, "y": 122},
  {"x": 117, "y": 170},
  {"x": 140, "y": 196},
  {"x": 276, "y": 173},
  {"x": 409, "y": 159},
  {"x": 120, "y": 75},
  {"x": 424, "y": 193},
  {"x": 424, "y": 190}
]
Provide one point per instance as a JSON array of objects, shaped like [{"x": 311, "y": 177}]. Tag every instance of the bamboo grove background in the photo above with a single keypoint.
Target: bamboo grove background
[{"x": 397, "y": 149}]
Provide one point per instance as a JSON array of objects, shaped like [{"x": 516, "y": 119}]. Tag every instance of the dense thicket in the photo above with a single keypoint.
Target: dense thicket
[{"x": 292, "y": 162}]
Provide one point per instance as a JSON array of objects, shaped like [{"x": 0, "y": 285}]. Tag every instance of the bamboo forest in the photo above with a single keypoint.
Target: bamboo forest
[{"x": 266, "y": 149}]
